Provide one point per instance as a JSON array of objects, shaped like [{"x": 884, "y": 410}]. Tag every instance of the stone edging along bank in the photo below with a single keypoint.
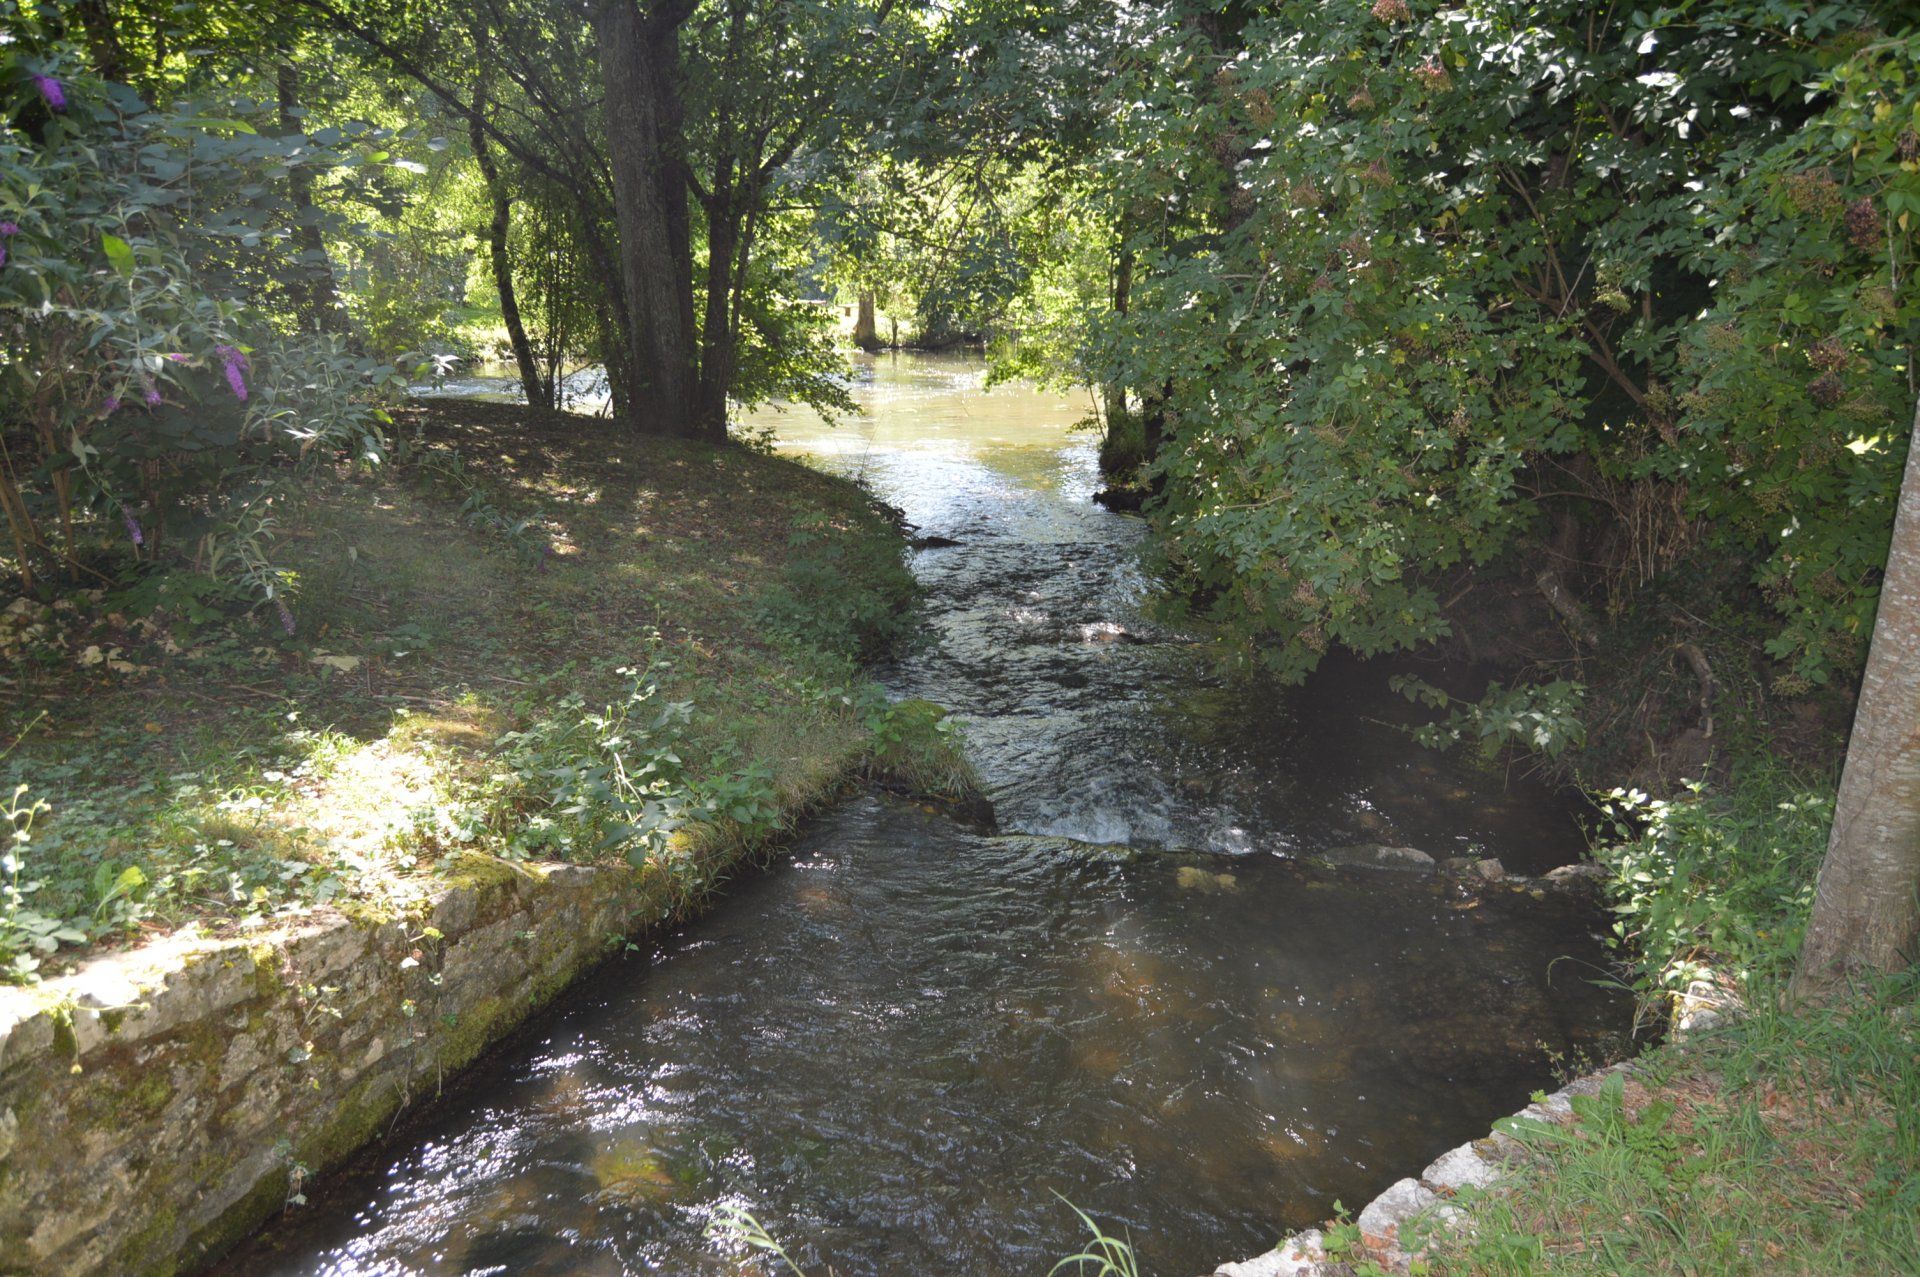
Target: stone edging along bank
[
  {"x": 159, "y": 1104},
  {"x": 1419, "y": 1204}
]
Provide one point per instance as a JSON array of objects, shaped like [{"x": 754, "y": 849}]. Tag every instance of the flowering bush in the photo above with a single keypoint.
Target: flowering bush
[{"x": 151, "y": 396}]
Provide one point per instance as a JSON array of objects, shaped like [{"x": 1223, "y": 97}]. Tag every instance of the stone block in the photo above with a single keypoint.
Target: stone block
[
  {"x": 1459, "y": 1168},
  {"x": 1380, "y": 1222},
  {"x": 1302, "y": 1255}
]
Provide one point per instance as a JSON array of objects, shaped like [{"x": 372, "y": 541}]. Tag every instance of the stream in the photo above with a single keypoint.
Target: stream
[{"x": 904, "y": 1045}]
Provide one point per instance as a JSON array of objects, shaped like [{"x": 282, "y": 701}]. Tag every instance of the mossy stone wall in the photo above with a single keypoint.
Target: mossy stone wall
[{"x": 156, "y": 1104}]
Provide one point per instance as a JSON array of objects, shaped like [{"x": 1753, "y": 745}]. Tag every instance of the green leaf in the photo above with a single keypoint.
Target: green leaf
[{"x": 118, "y": 252}]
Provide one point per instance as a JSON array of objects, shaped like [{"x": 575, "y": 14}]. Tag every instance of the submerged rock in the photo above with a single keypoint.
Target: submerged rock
[
  {"x": 1195, "y": 878},
  {"x": 1373, "y": 855}
]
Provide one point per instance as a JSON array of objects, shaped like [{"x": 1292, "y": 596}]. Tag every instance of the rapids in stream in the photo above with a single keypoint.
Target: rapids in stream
[{"x": 901, "y": 1047}]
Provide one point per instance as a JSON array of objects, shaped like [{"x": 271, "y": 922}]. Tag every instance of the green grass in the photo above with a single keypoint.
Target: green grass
[
  {"x": 919, "y": 748},
  {"x": 1786, "y": 1143},
  {"x": 531, "y": 636}
]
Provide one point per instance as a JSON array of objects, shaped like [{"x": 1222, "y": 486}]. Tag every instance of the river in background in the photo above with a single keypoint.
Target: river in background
[{"x": 896, "y": 1047}]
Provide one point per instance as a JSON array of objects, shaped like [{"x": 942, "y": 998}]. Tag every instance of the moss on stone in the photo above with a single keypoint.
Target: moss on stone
[
  {"x": 351, "y": 1122},
  {"x": 480, "y": 872},
  {"x": 235, "y": 1224},
  {"x": 367, "y": 914},
  {"x": 267, "y": 981},
  {"x": 154, "y": 1249},
  {"x": 476, "y": 1029}
]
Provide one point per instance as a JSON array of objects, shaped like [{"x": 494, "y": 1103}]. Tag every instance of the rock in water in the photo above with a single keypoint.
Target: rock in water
[
  {"x": 1373, "y": 855},
  {"x": 1194, "y": 878}
]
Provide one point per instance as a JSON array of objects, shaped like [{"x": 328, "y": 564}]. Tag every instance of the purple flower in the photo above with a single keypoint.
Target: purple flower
[
  {"x": 7, "y": 231},
  {"x": 133, "y": 527},
  {"x": 111, "y": 406},
  {"x": 286, "y": 617},
  {"x": 152, "y": 397},
  {"x": 177, "y": 357},
  {"x": 50, "y": 90},
  {"x": 236, "y": 362}
]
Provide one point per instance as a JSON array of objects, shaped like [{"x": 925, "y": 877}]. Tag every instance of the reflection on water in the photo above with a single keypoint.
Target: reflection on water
[
  {"x": 583, "y": 390},
  {"x": 895, "y": 1048}
]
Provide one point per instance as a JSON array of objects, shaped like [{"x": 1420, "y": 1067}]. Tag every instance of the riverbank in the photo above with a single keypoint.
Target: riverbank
[
  {"x": 1781, "y": 1141},
  {"x": 1757, "y": 1136},
  {"x": 1762, "y": 1135},
  {"x": 543, "y": 684},
  {"x": 475, "y": 631}
]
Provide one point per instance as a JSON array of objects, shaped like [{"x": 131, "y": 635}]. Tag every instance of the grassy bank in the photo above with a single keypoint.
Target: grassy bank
[
  {"x": 528, "y": 637},
  {"x": 1785, "y": 1138}
]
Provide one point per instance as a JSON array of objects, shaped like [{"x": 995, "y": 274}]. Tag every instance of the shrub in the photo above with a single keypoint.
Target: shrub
[
  {"x": 155, "y": 403},
  {"x": 1719, "y": 879}
]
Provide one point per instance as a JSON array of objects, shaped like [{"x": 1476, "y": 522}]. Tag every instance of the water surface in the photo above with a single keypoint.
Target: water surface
[{"x": 896, "y": 1047}]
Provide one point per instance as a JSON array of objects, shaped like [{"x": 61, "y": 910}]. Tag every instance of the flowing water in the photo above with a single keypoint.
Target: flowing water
[{"x": 898, "y": 1046}]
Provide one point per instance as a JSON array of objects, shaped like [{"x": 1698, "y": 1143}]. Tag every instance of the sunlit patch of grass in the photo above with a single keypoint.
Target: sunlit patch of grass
[{"x": 253, "y": 773}]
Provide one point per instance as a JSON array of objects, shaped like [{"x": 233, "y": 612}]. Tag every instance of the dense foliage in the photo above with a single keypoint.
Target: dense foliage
[
  {"x": 1421, "y": 285},
  {"x": 154, "y": 400}
]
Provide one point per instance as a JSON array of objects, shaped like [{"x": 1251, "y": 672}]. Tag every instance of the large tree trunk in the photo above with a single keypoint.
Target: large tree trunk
[
  {"x": 1866, "y": 916},
  {"x": 539, "y": 389},
  {"x": 866, "y": 334},
  {"x": 640, "y": 68},
  {"x": 316, "y": 297}
]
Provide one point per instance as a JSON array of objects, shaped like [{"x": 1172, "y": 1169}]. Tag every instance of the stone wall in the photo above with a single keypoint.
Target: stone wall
[{"x": 159, "y": 1104}]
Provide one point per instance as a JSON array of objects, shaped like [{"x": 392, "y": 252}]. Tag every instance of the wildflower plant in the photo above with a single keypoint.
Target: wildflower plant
[{"x": 152, "y": 395}]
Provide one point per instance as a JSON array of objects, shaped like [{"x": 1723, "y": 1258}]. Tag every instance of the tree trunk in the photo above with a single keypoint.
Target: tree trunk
[
  {"x": 724, "y": 245},
  {"x": 103, "y": 40},
  {"x": 1115, "y": 394},
  {"x": 539, "y": 389},
  {"x": 640, "y": 68},
  {"x": 866, "y": 334},
  {"x": 316, "y": 298},
  {"x": 1865, "y": 915}
]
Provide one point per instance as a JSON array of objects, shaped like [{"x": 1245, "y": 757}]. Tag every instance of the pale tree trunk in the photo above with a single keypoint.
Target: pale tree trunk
[
  {"x": 1866, "y": 915},
  {"x": 866, "y": 334}
]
